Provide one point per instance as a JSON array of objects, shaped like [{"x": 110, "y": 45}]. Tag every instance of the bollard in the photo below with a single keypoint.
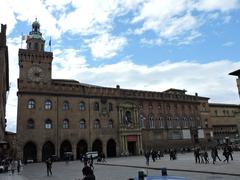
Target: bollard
[{"x": 164, "y": 171}]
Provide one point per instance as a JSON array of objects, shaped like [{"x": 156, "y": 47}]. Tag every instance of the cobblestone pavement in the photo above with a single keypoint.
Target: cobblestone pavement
[{"x": 72, "y": 170}]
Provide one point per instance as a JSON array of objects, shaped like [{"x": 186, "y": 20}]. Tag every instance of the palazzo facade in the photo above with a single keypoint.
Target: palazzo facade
[{"x": 56, "y": 116}]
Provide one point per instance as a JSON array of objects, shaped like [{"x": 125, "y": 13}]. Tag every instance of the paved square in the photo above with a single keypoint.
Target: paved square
[{"x": 115, "y": 169}]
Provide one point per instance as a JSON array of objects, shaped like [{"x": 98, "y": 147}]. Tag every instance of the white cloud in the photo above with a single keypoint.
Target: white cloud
[
  {"x": 67, "y": 63},
  {"x": 221, "y": 5},
  {"x": 106, "y": 46},
  {"x": 7, "y": 16},
  {"x": 209, "y": 79},
  {"x": 177, "y": 20}
]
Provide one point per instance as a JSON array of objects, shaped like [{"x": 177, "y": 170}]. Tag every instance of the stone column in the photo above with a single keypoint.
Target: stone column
[
  {"x": 140, "y": 141},
  {"x": 74, "y": 151},
  {"x": 126, "y": 147},
  {"x": 39, "y": 153}
]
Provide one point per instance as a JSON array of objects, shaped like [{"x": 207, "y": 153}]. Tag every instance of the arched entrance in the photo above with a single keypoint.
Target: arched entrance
[
  {"x": 48, "y": 150},
  {"x": 82, "y": 148},
  {"x": 97, "y": 146},
  {"x": 65, "y": 147},
  {"x": 30, "y": 152},
  {"x": 111, "y": 148}
]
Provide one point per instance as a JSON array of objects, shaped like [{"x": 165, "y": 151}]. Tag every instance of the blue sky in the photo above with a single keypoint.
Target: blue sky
[{"x": 139, "y": 44}]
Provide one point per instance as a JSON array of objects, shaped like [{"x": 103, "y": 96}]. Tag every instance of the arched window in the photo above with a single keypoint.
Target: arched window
[
  {"x": 161, "y": 123},
  {"x": 191, "y": 123},
  {"x": 82, "y": 124},
  {"x": 48, "y": 105},
  {"x": 30, "y": 124},
  {"x": 110, "y": 107},
  {"x": 151, "y": 122},
  {"x": 185, "y": 122},
  {"x": 170, "y": 122},
  {"x": 128, "y": 118},
  {"x": 82, "y": 106},
  {"x": 141, "y": 119},
  {"x": 48, "y": 124},
  {"x": 178, "y": 122},
  {"x": 110, "y": 123},
  {"x": 97, "y": 124},
  {"x": 65, "y": 123},
  {"x": 66, "y": 105},
  {"x": 199, "y": 122},
  {"x": 31, "y": 104},
  {"x": 96, "y": 106}
]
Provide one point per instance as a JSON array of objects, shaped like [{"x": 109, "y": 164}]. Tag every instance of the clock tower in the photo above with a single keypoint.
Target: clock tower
[{"x": 35, "y": 63}]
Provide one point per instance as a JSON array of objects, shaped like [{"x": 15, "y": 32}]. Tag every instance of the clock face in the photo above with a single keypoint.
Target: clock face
[{"x": 35, "y": 74}]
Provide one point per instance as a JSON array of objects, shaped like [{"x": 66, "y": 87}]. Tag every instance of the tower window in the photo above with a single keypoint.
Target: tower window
[{"x": 31, "y": 104}]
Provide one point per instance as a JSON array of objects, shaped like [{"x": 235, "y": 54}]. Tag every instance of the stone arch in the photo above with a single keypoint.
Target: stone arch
[
  {"x": 48, "y": 149},
  {"x": 97, "y": 146},
  {"x": 30, "y": 152},
  {"x": 65, "y": 147},
  {"x": 82, "y": 148},
  {"x": 111, "y": 148}
]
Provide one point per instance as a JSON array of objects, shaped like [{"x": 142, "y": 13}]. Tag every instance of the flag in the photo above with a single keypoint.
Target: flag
[{"x": 50, "y": 42}]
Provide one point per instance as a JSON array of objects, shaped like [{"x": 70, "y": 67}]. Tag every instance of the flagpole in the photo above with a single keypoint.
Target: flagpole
[
  {"x": 21, "y": 40},
  {"x": 50, "y": 44}
]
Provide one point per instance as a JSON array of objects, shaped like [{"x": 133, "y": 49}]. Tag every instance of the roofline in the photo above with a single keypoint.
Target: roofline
[{"x": 224, "y": 105}]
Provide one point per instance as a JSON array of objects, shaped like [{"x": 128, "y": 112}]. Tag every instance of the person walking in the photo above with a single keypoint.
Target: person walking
[
  {"x": 196, "y": 155},
  {"x": 216, "y": 153},
  {"x": 12, "y": 166},
  {"x": 49, "y": 166},
  {"x": 18, "y": 166},
  {"x": 147, "y": 156},
  {"x": 226, "y": 154},
  {"x": 213, "y": 155},
  {"x": 87, "y": 173},
  {"x": 230, "y": 151},
  {"x": 205, "y": 155},
  {"x": 91, "y": 162}
]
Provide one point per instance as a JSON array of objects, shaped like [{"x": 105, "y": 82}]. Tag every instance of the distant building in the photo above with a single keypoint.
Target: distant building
[
  {"x": 4, "y": 88},
  {"x": 225, "y": 122},
  {"x": 237, "y": 73}
]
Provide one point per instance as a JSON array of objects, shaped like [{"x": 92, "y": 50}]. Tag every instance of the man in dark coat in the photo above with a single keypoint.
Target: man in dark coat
[{"x": 49, "y": 166}]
